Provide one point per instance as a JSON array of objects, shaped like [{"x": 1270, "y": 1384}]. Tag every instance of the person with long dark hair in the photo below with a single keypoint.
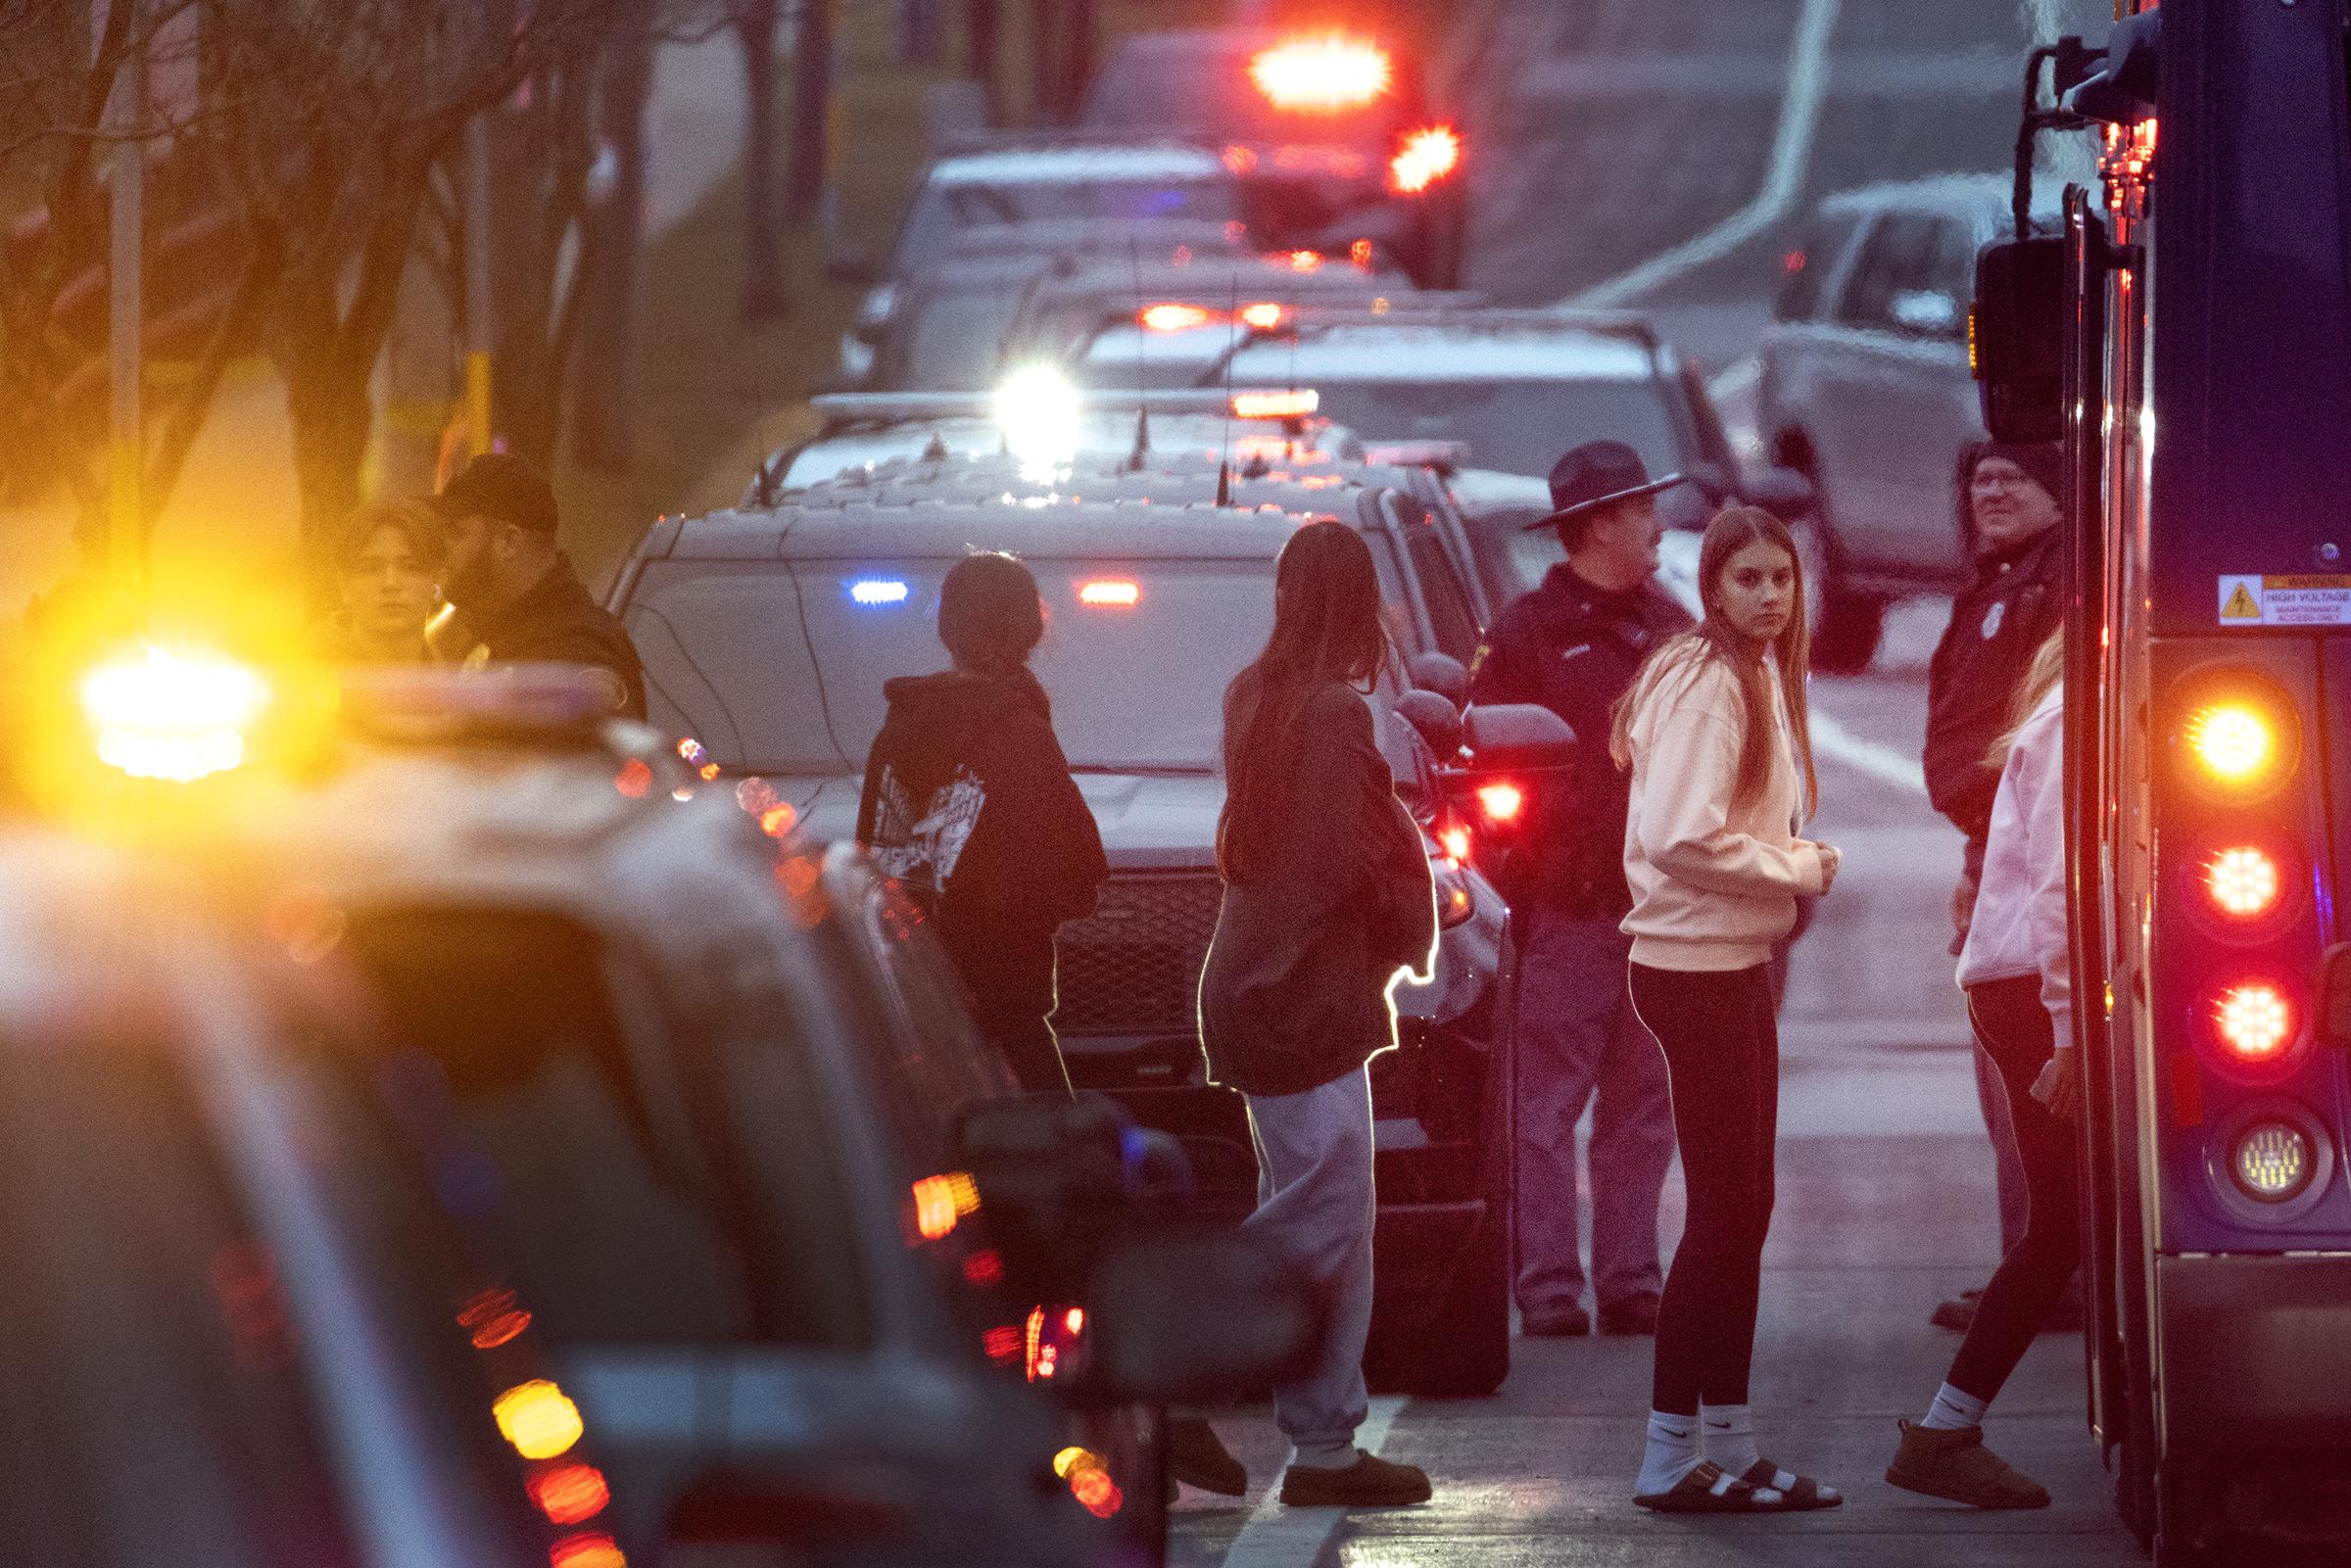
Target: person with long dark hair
[
  {"x": 1714, "y": 730},
  {"x": 1327, "y": 898},
  {"x": 2016, "y": 970},
  {"x": 970, "y": 805}
]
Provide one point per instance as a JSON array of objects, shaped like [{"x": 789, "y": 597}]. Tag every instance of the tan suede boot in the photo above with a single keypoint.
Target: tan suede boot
[{"x": 1958, "y": 1468}]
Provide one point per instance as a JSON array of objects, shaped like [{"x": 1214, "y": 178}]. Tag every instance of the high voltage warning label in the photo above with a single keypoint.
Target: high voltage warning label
[{"x": 2285, "y": 602}]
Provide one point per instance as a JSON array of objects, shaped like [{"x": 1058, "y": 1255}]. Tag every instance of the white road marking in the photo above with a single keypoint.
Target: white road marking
[
  {"x": 1783, "y": 180},
  {"x": 1278, "y": 1536},
  {"x": 1883, "y": 763}
]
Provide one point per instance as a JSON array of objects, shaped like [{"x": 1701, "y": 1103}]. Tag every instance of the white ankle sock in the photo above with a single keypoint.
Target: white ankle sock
[
  {"x": 1672, "y": 1453},
  {"x": 1727, "y": 1436},
  {"x": 1955, "y": 1411},
  {"x": 1324, "y": 1455}
]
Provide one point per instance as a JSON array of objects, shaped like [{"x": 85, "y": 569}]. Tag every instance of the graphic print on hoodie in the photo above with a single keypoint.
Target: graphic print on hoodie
[{"x": 970, "y": 805}]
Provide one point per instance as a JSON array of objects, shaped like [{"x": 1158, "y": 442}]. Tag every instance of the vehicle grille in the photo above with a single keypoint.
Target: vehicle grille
[{"x": 1132, "y": 966}]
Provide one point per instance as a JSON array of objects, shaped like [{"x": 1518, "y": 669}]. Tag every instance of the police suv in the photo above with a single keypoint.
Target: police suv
[{"x": 768, "y": 634}]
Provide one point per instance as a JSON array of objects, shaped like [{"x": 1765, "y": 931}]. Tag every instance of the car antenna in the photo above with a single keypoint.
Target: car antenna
[
  {"x": 1224, "y": 441},
  {"x": 1142, "y": 372}
]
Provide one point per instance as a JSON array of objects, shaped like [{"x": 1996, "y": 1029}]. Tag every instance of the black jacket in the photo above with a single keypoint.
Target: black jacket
[
  {"x": 1574, "y": 648},
  {"x": 1998, "y": 622},
  {"x": 557, "y": 622},
  {"x": 1294, "y": 993},
  {"x": 969, "y": 804}
]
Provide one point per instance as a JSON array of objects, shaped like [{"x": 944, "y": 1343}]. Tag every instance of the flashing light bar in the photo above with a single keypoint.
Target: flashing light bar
[
  {"x": 1172, "y": 316},
  {"x": 877, "y": 590},
  {"x": 1265, "y": 315},
  {"x": 1322, "y": 75},
  {"x": 1111, "y": 593},
  {"x": 1305, "y": 260},
  {"x": 1293, "y": 405},
  {"x": 914, "y": 407}
]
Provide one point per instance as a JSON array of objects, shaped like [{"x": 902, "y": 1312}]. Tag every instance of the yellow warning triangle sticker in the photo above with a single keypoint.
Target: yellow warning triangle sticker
[{"x": 2241, "y": 606}]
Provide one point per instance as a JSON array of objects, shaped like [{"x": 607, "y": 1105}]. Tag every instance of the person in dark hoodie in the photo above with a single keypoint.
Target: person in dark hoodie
[
  {"x": 970, "y": 805},
  {"x": 1327, "y": 897}
]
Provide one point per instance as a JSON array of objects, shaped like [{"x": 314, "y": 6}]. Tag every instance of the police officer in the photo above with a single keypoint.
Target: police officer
[
  {"x": 517, "y": 591},
  {"x": 1575, "y": 644},
  {"x": 2006, "y": 500}
]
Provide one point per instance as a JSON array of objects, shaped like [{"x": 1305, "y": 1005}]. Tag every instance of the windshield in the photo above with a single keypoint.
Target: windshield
[
  {"x": 778, "y": 667},
  {"x": 1519, "y": 427},
  {"x": 942, "y": 211}
]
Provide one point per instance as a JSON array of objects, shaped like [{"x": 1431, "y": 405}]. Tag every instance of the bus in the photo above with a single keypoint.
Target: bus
[{"x": 2188, "y": 337}]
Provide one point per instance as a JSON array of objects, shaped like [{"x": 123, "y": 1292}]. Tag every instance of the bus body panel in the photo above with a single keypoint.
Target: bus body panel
[
  {"x": 2252, "y": 473},
  {"x": 2254, "y": 1358}
]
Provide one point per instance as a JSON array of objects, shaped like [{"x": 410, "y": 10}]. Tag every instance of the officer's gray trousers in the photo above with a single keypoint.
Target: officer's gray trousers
[
  {"x": 1578, "y": 1039},
  {"x": 1315, "y": 1206}
]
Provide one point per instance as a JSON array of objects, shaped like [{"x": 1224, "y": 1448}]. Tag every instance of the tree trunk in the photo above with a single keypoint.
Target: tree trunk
[
  {"x": 811, "y": 111},
  {"x": 605, "y": 368},
  {"x": 1044, "y": 63},
  {"x": 764, "y": 222}
]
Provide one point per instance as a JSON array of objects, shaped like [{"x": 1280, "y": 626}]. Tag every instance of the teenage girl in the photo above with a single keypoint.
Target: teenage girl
[{"x": 1715, "y": 733}]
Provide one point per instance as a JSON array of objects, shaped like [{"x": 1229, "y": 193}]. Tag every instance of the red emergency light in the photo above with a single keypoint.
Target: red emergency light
[
  {"x": 1323, "y": 75},
  {"x": 1426, "y": 157}
]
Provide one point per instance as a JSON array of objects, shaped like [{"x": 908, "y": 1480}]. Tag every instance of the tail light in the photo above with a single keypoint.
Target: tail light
[
  {"x": 1501, "y": 801},
  {"x": 1457, "y": 901},
  {"x": 1052, "y": 1341},
  {"x": 1455, "y": 843},
  {"x": 2254, "y": 1021},
  {"x": 1425, "y": 158},
  {"x": 2272, "y": 1161},
  {"x": 2242, "y": 883},
  {"x": 2239, "y": 739}
]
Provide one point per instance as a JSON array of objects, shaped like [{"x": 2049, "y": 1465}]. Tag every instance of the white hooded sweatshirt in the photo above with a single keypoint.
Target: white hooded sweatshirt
[{"x": 2019, "y": 925}]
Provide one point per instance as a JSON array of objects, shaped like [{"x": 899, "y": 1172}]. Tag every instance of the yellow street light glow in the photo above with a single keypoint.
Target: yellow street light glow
[
  {"x": 2232, "y": 741},
  {"x": 538, "y": 1418},
  {"x": 2242, "y": 882},
  {"x": 158, "y": 714}
]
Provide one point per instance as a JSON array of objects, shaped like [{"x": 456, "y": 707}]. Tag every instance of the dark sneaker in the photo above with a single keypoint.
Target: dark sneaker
[
  {"x": 1371, "y": 1482},
  {"x": 1567, "y": 1322},
  {"x": 1198, "y": 1457},
  {"x": 1958, "y": 1468},
  {"x": 1957, "y": 1312},
  {"x": 1637, "y": 1315}
]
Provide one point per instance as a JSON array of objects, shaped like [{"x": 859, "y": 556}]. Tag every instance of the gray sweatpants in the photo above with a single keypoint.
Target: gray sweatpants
[
  {"x": 1315, "y": 1206},
  {"x": 1578, "y": 1039}
]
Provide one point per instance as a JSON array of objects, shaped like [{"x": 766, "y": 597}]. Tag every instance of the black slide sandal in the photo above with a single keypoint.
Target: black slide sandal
[
  {"x": 1708, "y": 1489},
  {"x": 1802, "y": 1497}
]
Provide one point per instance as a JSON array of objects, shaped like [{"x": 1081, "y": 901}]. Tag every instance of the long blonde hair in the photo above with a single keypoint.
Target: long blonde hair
[
  {"x": 1713, "y": 639},
  {"x": 2043, "y": 676}
]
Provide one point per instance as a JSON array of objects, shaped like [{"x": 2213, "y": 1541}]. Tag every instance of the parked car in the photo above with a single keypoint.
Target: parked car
[
  {"x": 244, "y": 1327},
  {"x": 768, "y": 634},
  {"x": 1021, "y": 181},
  {"x": 949, "y": 324},
  {"x": 1866, "y": 389},
  {"x": 714, "y": 1096},
  {"x": 1335, "y": 135}
]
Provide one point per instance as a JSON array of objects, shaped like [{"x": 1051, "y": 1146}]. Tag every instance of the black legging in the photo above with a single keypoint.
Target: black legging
[
  {"x": 1722, "y": 1049},
  {"x": 2016, "y": 1030}
]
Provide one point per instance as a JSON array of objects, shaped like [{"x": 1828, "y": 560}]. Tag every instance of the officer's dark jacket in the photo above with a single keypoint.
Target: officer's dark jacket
[
  {"x": 1999, "y": 621},
  {"x": 1574, "y": 648},
  {"x": 1293, "y": 995},
  {"x": 557, "y": 622},
  {"x": 970, "y": 805}
]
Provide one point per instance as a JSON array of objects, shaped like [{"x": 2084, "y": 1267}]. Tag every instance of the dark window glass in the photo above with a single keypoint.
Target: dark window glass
[
  {"x": 1897, "y": 258},
  {"x": 623, "y": 1209},
  {"x": 152, "y": 1406},
  {"x": 1440, "y": 587}
]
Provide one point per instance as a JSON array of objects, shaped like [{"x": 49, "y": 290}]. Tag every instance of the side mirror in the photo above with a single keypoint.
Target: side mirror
[
  {"x": 1928, "y": 312},
  {"x": 1520, "y": 737},
  {"x": 1195, "y": 1317},
  {"x": 1784, "y": 492},
  {"x": 1438, "y": 721},
  {"x": 2016, "y": 338},
  {"x": 1060, "y": 1178},
  {"x": 1442, "y": 674}
]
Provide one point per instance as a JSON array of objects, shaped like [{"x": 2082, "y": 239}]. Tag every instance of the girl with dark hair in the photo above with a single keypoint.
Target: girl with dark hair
[
  {"x": 1327, "y": 898},
  {"x": 1714, "y": 731},
  {"x": 970, "y": 805}
]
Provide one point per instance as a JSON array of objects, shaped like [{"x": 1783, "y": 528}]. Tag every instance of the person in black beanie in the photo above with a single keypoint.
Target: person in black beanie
[{"x": 2006, "y": 496}]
